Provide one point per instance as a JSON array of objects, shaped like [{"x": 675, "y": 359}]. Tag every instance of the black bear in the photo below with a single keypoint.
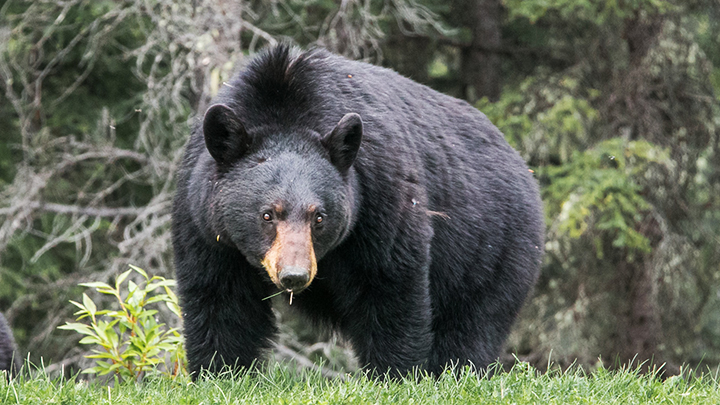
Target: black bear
[
  {"x": 392, "y": 213},
  {"x": 9, "y": 360}
]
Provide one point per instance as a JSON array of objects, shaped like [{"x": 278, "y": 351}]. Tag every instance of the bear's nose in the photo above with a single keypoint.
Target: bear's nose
[{"x": 294, "y": 278}]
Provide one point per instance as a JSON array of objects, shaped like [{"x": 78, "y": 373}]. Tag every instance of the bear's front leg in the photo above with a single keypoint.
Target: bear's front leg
[
  {"x": 226, "y": 322},
  {"x": 389, "y": 324}
]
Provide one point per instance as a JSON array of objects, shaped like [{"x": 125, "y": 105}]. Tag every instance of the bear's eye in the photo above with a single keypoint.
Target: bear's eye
[
  {"x": 267, "y": 217},
  {"x": 318, "y": 219}
]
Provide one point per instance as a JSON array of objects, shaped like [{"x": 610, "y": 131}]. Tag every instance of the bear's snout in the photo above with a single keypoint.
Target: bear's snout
[{"x": 291, "y": 262}]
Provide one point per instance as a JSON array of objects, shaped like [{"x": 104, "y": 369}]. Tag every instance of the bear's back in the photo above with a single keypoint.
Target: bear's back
[{"x": 408, "y": 128}]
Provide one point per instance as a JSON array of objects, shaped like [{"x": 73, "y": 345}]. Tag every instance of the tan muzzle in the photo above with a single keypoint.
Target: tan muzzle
[{"x": 290, "y": 262}]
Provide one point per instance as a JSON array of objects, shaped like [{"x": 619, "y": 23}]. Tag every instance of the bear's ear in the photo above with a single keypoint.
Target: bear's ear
[
  {"x": 343, "y": 142},
  {"x": 225, "y": 136}
]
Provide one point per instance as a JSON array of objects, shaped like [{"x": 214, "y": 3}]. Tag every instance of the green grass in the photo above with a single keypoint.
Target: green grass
[{"x": 281, "y": 385}]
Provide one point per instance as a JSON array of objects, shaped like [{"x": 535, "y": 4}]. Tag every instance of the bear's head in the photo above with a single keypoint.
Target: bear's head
[{"x": 283, "y": 197}]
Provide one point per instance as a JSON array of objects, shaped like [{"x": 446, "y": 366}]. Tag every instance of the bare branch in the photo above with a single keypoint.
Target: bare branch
[{"x": 106, "y": 212}]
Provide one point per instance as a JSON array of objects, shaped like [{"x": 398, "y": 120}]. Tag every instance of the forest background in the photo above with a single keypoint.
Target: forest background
[{"x": 613, "y": 103}]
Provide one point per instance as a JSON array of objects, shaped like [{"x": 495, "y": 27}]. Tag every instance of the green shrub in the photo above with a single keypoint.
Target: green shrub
[
  {"x": 128, "y": 340},
  {"x": 600, "y": 189}
]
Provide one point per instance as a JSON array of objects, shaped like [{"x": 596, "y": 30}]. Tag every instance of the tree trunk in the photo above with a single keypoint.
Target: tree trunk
[
  {"x": 480, "y": 67},
  {"x": 639, "y": 329}
]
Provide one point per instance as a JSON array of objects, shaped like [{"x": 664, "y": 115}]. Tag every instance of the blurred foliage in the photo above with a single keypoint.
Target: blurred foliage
[
  {"x": 614, "y": 104},
  {"x": 624, "y": 141},
  {"x": 547, "y": 118},
  {"x": 598, "y": 189},
  {"x": 597, "y": 12}
]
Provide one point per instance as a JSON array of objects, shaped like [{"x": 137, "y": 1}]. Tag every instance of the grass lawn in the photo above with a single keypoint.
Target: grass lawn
[{"x": 282, "y": 385}]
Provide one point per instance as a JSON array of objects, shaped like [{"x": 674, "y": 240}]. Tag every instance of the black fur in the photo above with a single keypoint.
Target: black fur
[
  {"x": 9, "y": 359},
  {"x": 432, "y": 235}
]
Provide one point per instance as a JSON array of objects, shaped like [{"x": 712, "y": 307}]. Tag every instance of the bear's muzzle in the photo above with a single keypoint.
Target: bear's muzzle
[{"x": 290, "y": 262}]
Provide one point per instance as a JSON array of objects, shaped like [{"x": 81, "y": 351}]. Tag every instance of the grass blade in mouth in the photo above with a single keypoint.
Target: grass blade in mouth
[
  {"x": 274, "y": 295},
  {"x": 278, "y": 293}
]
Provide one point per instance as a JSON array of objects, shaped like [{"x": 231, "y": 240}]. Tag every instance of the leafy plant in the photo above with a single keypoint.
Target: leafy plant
[
  {"x": 594, "y": 11},
  {"x": 130, "y": 340},
  {"x": 601, "y": 188},
  {"x": 546, "y": 118}
]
